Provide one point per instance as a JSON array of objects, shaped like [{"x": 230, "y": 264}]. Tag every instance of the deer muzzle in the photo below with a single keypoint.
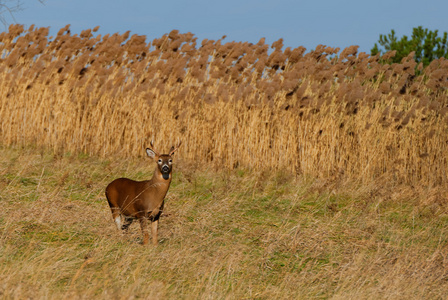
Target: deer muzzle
[{"x": 165, "y": 172}]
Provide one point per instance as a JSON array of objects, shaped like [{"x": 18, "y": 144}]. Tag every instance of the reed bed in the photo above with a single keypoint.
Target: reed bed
[{"x": 326, "y": 113}]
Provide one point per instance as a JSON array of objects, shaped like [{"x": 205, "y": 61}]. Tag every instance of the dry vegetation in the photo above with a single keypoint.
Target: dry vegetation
[
  {"x": 226, "y": 235},
  {"x": 326, "y": 113},
  {"x": 302, "y": 174}
]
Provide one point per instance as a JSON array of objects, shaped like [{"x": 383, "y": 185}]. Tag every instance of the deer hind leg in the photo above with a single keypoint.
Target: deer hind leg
[
  {"x": 116, "y": 215},
  {"x": 144, "y": 227},
  {"x": 127, "y": 222}
]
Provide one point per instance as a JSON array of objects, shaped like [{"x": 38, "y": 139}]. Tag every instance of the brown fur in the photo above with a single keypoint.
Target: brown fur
[{"x": 142, "y": 200}]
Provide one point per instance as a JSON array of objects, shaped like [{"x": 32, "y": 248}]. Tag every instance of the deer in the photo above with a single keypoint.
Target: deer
[{"x": 143, "y": 200}]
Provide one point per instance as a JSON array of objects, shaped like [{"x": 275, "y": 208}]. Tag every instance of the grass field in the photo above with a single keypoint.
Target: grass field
[
  {"x": 227, "y": 234},
  {"x": 302, "y": 174}
]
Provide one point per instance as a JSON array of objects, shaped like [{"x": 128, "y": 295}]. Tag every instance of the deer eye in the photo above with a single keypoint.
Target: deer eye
[
  {"x": 160, "y": 161},
  {"x": 170, "y": 161}
]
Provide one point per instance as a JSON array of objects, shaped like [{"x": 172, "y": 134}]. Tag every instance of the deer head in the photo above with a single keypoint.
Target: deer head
[{"x": 164, "y": 161}]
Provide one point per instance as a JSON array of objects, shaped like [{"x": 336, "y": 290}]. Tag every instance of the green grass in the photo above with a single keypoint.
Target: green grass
[{"x": 228, "y": 234}]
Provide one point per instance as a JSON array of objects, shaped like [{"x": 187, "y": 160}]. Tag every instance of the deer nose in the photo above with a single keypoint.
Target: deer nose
[{"x": 165, "y": 169}]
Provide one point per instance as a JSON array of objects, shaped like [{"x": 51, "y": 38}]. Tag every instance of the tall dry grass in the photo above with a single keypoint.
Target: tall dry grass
[
  {"x": 226, "y": 235},
  {"x": 326, "y": 113}
]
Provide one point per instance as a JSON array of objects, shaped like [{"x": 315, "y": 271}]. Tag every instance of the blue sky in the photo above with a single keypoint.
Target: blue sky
[{"x": 299, "y": 23}]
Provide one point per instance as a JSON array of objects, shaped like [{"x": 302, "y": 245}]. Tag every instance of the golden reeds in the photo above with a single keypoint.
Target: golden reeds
[{"x": 324, "y": 113}]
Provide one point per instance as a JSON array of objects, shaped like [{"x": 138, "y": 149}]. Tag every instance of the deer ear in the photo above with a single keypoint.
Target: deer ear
[{"x": 150, "y": 153}]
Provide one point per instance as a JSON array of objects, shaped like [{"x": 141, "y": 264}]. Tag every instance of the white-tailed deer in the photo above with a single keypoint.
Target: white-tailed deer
[{"x": 142, "y": 200}]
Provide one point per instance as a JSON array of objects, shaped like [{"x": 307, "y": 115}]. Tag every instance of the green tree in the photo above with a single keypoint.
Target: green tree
[{"x": 426, "y": 44}]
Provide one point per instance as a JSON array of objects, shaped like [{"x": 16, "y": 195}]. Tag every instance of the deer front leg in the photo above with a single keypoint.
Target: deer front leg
[
  {"x": 154, "y": 225},
  {"x": 144, "y": 227}
]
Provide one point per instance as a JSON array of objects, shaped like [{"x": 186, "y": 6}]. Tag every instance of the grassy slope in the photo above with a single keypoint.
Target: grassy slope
[{"x": 226, "y": 235}]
